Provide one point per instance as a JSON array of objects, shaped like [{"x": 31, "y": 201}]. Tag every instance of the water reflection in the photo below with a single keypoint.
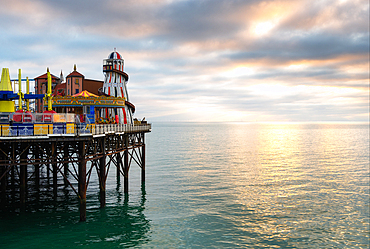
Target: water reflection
[
  {"x": 54, "y": 222},
  {"x": 298, "y": 181},
  {"x": 121, "y": 224}
]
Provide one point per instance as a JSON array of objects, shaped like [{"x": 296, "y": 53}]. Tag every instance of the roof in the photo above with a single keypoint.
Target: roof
[
  {"x": 60, "y": 86},
  {"x": 45, "y": 76},
  {"x": 5, "y": 84},
  {"x": 115, "y": 56},
  {"x": 57, "y": 87},
  {"x": 85, "y": 94},
  {"x": 75, "y": 74},
  {"x": 92, "y": 85}
]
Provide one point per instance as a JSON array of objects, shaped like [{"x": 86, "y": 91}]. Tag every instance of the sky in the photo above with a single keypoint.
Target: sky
[{"x": 205, "y": 61}]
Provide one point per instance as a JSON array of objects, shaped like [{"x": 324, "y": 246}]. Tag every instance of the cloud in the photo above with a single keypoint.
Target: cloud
[{"x": 204, "y": 60}]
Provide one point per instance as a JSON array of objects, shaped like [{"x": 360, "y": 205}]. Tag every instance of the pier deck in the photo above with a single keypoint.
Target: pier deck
[{"x": 74, "y": 154}]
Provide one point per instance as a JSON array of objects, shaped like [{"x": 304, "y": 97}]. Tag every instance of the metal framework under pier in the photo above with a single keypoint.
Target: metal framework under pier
[{"x": 72, "y": 157}]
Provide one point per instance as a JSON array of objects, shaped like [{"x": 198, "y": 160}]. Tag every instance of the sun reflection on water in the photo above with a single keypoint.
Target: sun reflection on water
[{"x": 293, "y": 177}]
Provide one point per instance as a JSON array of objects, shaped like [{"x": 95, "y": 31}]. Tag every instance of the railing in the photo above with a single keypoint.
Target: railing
[
  {"x": 107, "y": 128},
  {"x": 42, "y": 129},
  {"x": 41, "y": 117}
]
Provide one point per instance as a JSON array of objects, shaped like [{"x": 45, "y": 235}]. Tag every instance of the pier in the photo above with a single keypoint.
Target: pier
[
  {"x": 89, "y": 133},
  {"x": 74, "y": 156}
]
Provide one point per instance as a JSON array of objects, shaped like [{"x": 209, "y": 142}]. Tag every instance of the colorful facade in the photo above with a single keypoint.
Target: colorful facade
[
  {"x": 105, "y": 103},
  {"x": 41, "y": 87},
  {"x": 115, "y": 85},
  {"x": 74, "y": 82}
]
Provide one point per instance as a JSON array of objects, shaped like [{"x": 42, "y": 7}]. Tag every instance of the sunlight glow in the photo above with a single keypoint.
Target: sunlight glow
[
  {"x": 263, "y": 28},
  {"x": 272, "y": 90},
  {"x": 238, "y": 72},
  {"x": 296, "y": 67}
]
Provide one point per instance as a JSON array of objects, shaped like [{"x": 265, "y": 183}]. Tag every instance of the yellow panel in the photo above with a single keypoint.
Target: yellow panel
[
  {"x": 42, "y": 129},
  {"x": 6, "y": 106},
  {"x": 70, "y": 128},
  {"x": 4, "y": 130}
]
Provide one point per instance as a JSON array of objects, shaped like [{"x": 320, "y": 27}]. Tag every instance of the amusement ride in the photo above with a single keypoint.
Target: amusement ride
[{"x": 82, "y": 112}]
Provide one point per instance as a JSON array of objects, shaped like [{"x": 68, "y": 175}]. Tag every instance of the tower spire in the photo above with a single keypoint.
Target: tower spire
[{"x": 61, "y": 76}]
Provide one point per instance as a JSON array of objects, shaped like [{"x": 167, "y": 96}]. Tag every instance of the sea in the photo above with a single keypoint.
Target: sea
[{"x": 216, "y": 185}]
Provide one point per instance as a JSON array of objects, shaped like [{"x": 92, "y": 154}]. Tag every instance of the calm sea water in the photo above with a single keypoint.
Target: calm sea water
[{"x": 218, "y": 186}]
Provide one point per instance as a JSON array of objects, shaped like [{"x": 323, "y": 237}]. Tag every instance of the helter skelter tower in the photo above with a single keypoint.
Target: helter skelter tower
[{"x": 115, "y": 85}]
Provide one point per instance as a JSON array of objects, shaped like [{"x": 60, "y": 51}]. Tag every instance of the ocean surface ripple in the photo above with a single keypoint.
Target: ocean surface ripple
[{"x": 218, "y": 186}]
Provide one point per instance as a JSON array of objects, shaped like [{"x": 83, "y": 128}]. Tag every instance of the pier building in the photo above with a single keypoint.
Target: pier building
[
  {"x": 41, "y": 87},
  {"x": 75, "y": 83},
  {"x": 72, "y": 145}
]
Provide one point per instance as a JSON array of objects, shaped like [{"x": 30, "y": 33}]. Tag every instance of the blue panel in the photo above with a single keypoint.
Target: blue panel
[
  {"x": 8, "y": 95},
  {"x": 34, "y": 96},
  {"x": 91, "y": 118},
  {"x": 59, "y": 128},
  {"x": 22, "y": 130}
]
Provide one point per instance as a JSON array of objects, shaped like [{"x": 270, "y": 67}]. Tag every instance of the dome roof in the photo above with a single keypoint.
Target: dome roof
[{"x": 115, "y": 56}]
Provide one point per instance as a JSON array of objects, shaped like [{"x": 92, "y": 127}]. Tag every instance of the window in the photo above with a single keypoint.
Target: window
[
  {"x": 76, "y": 91},
  {"x": 76, "y": 81}
]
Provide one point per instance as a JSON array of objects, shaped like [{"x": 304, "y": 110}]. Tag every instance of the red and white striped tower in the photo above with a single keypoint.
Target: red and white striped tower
[{"x": 115, "y": 84}]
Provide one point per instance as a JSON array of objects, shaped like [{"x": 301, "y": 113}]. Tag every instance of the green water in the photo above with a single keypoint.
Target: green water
[{"x": 217, "y": 186}]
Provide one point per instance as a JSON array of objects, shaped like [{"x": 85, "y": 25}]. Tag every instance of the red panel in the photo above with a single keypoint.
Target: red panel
[{"x": 124, "y": 116}]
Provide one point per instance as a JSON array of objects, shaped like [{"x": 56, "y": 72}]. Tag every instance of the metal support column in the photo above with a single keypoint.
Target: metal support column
[
  {"x": 126, "y": 166},
  {"x": 23, "y": 177},
  {"x": 65, "y": 164},
  {"x": 143, "y": 159},
  {"x": 118, "y": 165},
  {"x": 102, "y": 177},
  {"x": 82, "y": 180},
  {"x": 36, "y": 153},
  {"x": 54, "y": 165},
  {"x": 12, "y": 171},
  {"x": 3, "y": 181}
]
